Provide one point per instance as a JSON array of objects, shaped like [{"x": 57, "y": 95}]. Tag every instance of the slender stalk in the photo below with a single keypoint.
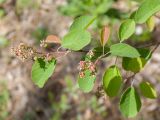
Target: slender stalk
[
  {"x": 103, "y": 50},
  {"x": 101, "y": 57}
]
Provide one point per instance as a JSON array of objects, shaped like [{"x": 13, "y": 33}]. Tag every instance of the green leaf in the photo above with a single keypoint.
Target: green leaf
[
  {"x": 147, "y": 90},
  {"x": 103, "y": 6},
  {"x": 133, "y": 64},
  {"x": 126, "y": 29},
  {"x": 130, "y": 103},
  {"x": 76, "y": 40},
  {"x": 86, "y": 83},
  {"x": 124, "y": 50},
  {"x": 151, "y": 23},
  {"x": 112, "y": 81},
  {"x": 145, "y": 53},
  {"x": 82, "y": 23},
  {"x": 136, "y": 64},
  {"x": 146, "y": 10},
  {"x": 133, "y": 15},
  {"x": 42, "y": 70}
]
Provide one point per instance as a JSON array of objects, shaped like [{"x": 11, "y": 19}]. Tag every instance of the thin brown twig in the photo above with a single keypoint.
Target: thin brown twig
[
  {"x": 101, "y": 57},
  {"x": 66, "y": 53},
  {"x": 116, "y": 60},
  {"x": 154, "y": 49}
]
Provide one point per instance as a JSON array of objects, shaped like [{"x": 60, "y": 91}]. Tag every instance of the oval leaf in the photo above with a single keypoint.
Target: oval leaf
[
  {"x": 126, "y": 29},
  {"x": 42, "y": 70},
  {"x": 133, "y": 64},
  {"x": 105, "y": 33},
  {"x": 124, "y": 50},
  {"x": 136, "y": 64},
  {"x": 86, "y": 83},
  {"x": 147, "y": 90},
  {"x": 76, "y": 40},
  {"x": 146, "y": 10},
  {"x": 53, "y": 39},
  {"x": 112, "y": 81},
  {"x": 130, "y": 103},
  {"x": 82, "y": 22}
]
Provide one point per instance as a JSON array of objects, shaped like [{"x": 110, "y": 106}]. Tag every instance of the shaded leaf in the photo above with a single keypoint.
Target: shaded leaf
[
  {"x": 133, "y": 64},
  {"x": 147, "y": 90},
  {"x": 132, "y": 15},
  {"x": 136, "y": 64},
  {"x": 130, "y": 103},
  {"x": 145, "y": 53},
  {"x": 42, "y": 70}
]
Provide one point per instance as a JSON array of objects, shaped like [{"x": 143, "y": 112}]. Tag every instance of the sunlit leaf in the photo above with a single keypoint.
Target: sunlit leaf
[
  {"x": 148, "y": 90},
  {"x": 151, "y": 23},
  {"x": 76, "y": 40},
  {"x": 112, "y": 81},
  {"x": 124, "y": 50},
  {"x": 146, "y": 10},
  {"x": 42, "y": 70},
  {"x": 86, "y": 83},
  {"x": 82, "y": 22},
  {"x": 126, "y": 29}
]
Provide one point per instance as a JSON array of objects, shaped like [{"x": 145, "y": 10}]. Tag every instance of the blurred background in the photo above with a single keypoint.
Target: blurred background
[{"x": 30, "y": 21}]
